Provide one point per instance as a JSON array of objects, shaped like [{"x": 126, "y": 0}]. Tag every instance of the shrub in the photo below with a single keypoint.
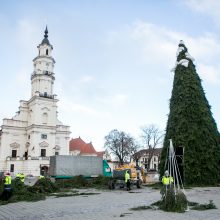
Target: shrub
[
  {"x": 205, "y": 206},
  {"x": 21, "y": 192},
  {"x": 43, "y": 186},
  {"x": 100, "y": 182},
  {"x": 75, "y": 182},
  {"x": 172, "y": 202}
]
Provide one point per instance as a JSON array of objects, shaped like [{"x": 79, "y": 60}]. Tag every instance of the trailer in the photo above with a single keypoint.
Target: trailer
[{"x": 68, "y": 166}]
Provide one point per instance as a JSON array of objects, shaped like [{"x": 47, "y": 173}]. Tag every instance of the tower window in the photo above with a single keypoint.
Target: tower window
[
  {"x": 43, "y": 136},
  {"x": 44, "y": 118},
  {"x": 26, "y": 155},
  {"x": 12, "y": 168},
  {"x": 14, "y": 153},
  {"x": 43, "y": 152},
  {"x": 46, "y": 51}
]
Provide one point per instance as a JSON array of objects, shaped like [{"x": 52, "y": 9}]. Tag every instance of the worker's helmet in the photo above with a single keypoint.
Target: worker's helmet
[{"x": 166, "y": 173}]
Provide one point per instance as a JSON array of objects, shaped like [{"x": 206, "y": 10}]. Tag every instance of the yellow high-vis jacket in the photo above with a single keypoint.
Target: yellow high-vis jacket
[
  {"x": 127, "y": 177},
  {"x": 166, "y": 180},
  {"x": 8, "y": 180}
]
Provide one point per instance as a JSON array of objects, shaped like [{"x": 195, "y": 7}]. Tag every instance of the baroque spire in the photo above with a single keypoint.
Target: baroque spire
[{"x": 45, "y": 40}]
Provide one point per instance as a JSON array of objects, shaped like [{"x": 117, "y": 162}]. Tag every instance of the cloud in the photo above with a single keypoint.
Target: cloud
[
  {"x": 23, "y": 76},
  {"x": 208, "y": 7},
  {"x": 203, "y": 5},
  {"x": 115, "y": 100},
  {"x": 119, "y": 99},
  {"x": 157, "y": 47},
  {"x": 160, "y": 43},
  {"x": 27, "y": 35},
  {"x": 68, "y": 106},
  {"x": 209, "y": 73},
  {"x": 86, "y": 79},
  {"x": 149, "y": 44}
]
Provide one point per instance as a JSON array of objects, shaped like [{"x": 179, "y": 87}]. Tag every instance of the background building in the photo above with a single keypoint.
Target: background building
[
  {"x": 79, "y": 147},
  {"x": 34, "y": 133},
  {"x": 142, "y": 158}
]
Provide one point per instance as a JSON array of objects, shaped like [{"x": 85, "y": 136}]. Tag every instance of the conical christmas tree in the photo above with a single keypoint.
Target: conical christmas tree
[{"x": 191, "y": 125}]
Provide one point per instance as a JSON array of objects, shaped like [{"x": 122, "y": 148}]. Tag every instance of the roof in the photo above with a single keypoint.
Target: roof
[
  {"x": 88, "y": 149},
  {"x": 76, "y": 144},
  {"x": 45, "y": 40},
  {"x": 83, "y": 147},
  {"x": 157, "y": 151}
]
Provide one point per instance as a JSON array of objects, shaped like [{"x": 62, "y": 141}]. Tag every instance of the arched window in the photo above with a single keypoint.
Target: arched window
[{"x": 46, "y": 51}]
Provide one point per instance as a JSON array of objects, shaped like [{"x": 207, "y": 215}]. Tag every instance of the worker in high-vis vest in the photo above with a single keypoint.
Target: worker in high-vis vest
[
  {"x": 20, "y": 176},
  {"x": 167, "y": 179},
  {"x": 7, "y": 186},
  {"x": 41, "y": 177},
  {"x": 127, "y": 180}
]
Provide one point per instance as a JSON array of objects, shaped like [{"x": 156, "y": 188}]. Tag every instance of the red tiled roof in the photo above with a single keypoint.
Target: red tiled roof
[
  {"x": 83, "y": 147},
  {"x": 88, "y": 149}
]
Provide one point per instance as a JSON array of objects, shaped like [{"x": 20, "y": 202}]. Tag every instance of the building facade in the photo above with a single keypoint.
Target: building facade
[
  {"x": 142, "y": 158},
  {"x": 35, "y": 133}
]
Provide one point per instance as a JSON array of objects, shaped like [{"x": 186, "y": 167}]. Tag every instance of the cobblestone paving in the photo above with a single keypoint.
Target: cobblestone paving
[{"x": 110, "y": 205}]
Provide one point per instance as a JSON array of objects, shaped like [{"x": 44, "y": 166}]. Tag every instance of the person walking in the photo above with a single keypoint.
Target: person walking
[{"x": 128, "y": 180}]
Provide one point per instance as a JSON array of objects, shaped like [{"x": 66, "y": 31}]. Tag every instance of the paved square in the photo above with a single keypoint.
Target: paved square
[{"x": 110, "y": 205}]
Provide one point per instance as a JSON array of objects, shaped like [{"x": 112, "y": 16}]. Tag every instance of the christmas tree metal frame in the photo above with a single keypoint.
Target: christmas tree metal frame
[{"x": 176, "y": 187}]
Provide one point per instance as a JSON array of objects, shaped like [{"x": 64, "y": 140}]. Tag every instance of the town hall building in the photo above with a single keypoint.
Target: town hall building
[{"x": 34, "y": 133}]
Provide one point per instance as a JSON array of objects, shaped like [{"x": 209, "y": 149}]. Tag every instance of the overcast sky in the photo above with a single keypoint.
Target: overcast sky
[{"x": 113, "y": 58}]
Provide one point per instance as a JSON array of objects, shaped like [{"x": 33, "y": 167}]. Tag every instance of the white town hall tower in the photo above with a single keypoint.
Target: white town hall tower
[{"x": 34, "y": 133}]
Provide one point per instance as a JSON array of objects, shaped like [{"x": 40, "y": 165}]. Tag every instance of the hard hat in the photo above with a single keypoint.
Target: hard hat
[{"x": 166, "y": 173}]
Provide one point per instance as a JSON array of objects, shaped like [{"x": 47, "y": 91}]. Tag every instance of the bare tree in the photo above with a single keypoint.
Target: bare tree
[
  {"x": 121, "y": 145},
  {"x": 152, "y": 137}
]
